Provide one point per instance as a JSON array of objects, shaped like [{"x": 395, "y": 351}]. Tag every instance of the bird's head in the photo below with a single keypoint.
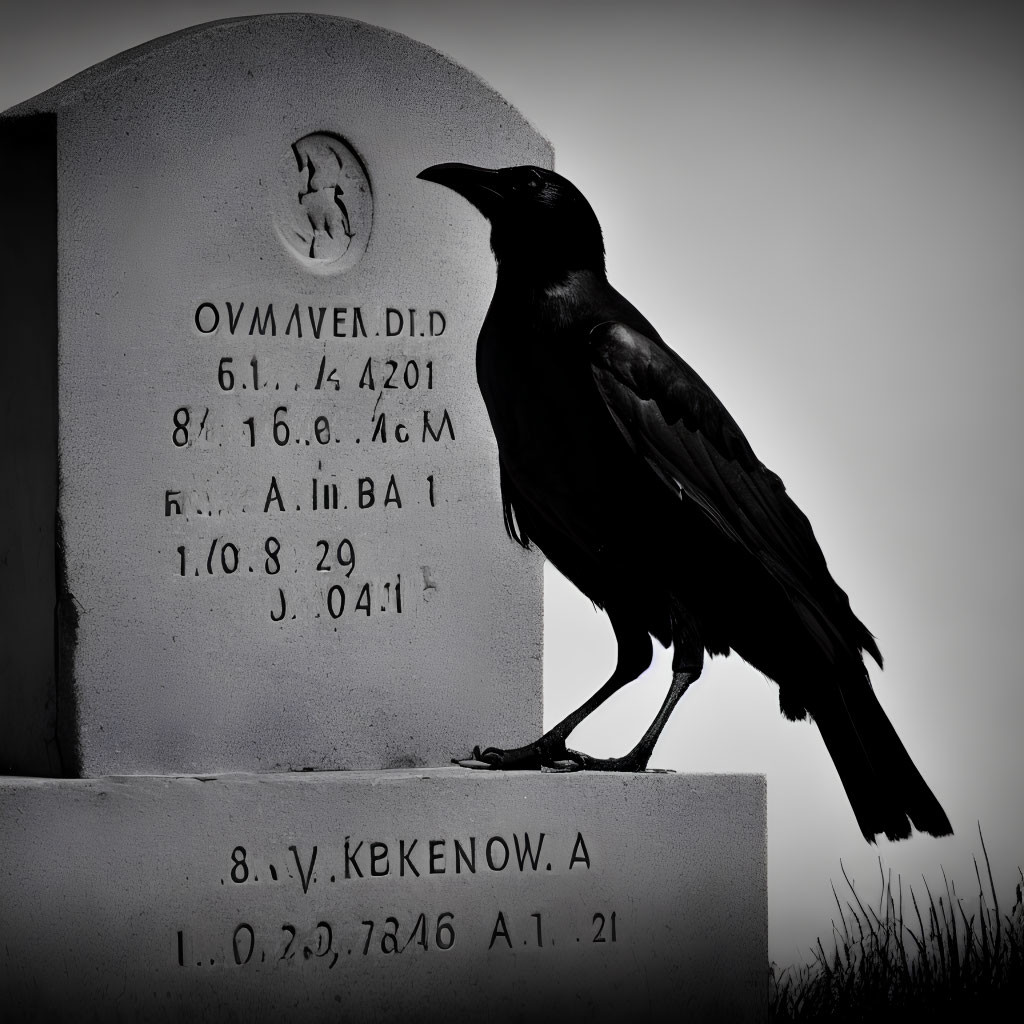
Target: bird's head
[{"x": 541, "y": 224}]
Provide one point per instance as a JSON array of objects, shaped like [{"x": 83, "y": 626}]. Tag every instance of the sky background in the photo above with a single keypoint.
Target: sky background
[{"x": 821, "y": 207}]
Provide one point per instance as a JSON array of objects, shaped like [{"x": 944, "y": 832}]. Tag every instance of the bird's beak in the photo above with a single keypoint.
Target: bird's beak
[{"x": 479, "y": 185}]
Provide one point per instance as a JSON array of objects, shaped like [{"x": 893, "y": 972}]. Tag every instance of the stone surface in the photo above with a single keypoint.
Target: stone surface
[
  {"x": 282, "y": 538},
  {"x": 484, "y": 895}
]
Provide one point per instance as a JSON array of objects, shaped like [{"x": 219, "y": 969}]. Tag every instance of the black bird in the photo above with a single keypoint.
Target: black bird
[{"x": 620, "y": 463}]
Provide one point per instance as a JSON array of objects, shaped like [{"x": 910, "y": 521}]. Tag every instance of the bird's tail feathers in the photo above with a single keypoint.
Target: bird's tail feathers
[{"x": 885, "y": 789}]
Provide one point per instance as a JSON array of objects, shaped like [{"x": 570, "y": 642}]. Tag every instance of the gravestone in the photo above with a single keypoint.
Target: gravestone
[
  {"x": 279, "y": 532},
  {"x": 429, "y": 895},
  {"x": 248, "y": 464}
]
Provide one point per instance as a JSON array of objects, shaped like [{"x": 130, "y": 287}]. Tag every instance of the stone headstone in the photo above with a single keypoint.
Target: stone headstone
[
  {"x": 242, "y": 336},
  {"x": 432, "y": 895},
  {"x": 246, "y": 460}
]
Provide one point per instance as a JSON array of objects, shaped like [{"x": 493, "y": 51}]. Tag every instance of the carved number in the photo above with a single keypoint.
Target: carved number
[
  {"x": 410, "y": 375},
  {"x": 599, "y": 920},
  {"x": 335, "y": 600},
  {"x": 281, "y": 431},
  {"x": 444, "y": 935},
  {"x": 346, "y": 556},
  {"x": 243, "y": 929},
  {"x": 323, "y": 946},
  {"x": 240, "y": 870},
  {"x": 272, "y": 547},
  {"x": 389, "y": 940},
  {"x": 181, "y": 420},
  {"x": 229, "y": 565}
]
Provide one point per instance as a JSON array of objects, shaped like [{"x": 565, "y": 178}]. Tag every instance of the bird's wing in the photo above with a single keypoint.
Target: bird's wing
[{"x": 674, "y": 421}]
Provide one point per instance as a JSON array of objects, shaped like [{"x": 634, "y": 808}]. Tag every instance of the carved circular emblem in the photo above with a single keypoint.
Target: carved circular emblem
[{"x": 326, "y": 212}]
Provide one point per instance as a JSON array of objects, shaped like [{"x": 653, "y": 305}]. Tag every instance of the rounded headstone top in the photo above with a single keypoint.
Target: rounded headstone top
[{"x": 230, "y": 41}]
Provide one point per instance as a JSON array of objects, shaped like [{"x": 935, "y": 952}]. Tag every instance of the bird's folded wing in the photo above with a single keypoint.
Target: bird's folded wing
[{"x": 673, "y": 420}]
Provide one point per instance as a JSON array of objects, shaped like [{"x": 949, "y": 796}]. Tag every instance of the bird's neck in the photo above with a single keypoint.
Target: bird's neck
[
  {"x": 547, "y": 283},
  {"x": 542, "y": 262},
  {"x": 545, "y": 304}
]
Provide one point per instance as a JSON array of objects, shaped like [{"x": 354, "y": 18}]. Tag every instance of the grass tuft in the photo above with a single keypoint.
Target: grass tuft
[{"x": 883, "y": 965}]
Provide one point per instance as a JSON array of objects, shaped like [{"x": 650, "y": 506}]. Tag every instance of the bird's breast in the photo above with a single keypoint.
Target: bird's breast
[
  {"x": 558, "y": 445},
  {"x": 536, "y": 397}
]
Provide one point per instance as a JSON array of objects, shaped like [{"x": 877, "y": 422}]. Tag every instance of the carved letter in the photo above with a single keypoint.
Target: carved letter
[
  {"x": 378, "y": 853},
  {"x": 365, "y": 492},
  {"x": 500, "y": 931},
  {"x": 234, "y": 317},
  {"x": 579, "y": 852},
  {"x": 274, "y": 494},
  {"x": 436, "y": 856},
  {"x": 404, "y": 857},
  {"x": 391, "y": 496},
  {"x": 428, "y": 429},
  {"x": 358, "y": 330},
  {"x": 296, "y": 319},
  {"x": 216, "y": 317},
  {"x": 350, "y": 858},
  {"x": 267, "y": 321},
  {"x": 460, "y": 855},
  {"x": 316, "y": 325},
  {"x": 490, "y": 860},
  {"x": 526, "y": 851},
  {"x": 304, "y": 876}
]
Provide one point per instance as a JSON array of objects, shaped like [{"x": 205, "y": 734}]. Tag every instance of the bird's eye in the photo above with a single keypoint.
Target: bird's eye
[{"x": 529, "y": 182}]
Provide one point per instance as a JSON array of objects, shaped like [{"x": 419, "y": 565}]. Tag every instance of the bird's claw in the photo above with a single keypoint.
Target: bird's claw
[
  {"x": 545, "y": 756},
  {"x": 471, "y": 762},
  {"x": 631, "y": 762},
  {"x": 478, "y": 759},
  {"x": 552, "y": 756}
]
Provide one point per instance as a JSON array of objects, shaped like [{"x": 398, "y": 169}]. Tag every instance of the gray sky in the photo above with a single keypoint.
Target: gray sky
[{"x": 820, "y": 206}]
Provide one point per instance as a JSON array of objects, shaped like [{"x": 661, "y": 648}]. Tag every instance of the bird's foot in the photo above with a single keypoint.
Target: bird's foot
[
  {"x": 552, "y": 755},
  {"x": 634, "y": 761},
  {"x": 547, "y": 754}
]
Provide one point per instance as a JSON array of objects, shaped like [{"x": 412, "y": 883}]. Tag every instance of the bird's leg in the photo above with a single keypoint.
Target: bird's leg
[
  {"x": 687, "y": 663},
  {"x": 636, "y": 760},
  {"x": 549, "y": 750}
]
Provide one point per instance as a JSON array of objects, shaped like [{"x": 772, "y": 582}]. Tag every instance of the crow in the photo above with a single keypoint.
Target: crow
[{"x": 618, "y": 461}]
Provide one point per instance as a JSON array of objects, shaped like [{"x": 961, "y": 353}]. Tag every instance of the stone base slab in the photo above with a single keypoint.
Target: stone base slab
[{"x": 424, "y": 895}]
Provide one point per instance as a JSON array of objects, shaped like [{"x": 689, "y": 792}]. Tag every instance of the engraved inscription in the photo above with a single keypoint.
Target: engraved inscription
[
  {"x": 326, "y": 928},
  {"x": 326, "y": 211},
  {"x": 300, "y": 411}
]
